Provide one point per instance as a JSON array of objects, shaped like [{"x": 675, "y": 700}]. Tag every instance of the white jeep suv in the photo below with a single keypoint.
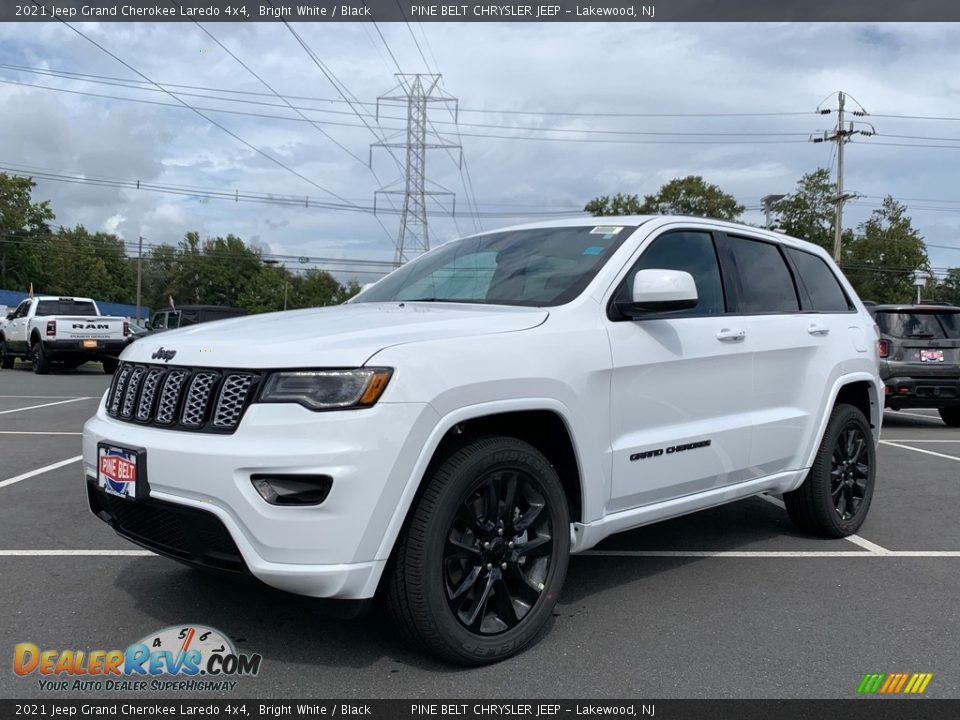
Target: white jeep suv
[{"x": 457, "y": 430}]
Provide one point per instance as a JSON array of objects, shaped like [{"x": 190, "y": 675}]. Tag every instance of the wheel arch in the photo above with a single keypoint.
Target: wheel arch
[
  {"x": 544, "y": 424},
  {"x": 862, "y": 390}
]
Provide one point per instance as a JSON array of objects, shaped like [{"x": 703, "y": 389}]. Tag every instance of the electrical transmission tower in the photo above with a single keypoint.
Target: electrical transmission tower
[
  {"x": 416, "y": 92},
  {"x": 841, "y": 136}
]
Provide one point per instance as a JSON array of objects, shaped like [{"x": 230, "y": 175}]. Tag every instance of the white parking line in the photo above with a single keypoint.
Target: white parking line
[
  {"x": 855, "y": 539},
  {"x": 37, "y": 407},
  {"x": 911, "y": 440},
  {"x": 76, "y": 553},
  {"x": 920, "y": 415},
  {"x": 772, "y": 553},
  {"x": 42, "y": 397},
  {"x": 921, "y": 450},
  {"x": 35, "y": 432},
  {"x": 40, "y": 471}
]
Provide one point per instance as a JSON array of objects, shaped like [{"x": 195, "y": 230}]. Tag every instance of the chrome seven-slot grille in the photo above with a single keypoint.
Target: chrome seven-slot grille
[{"x": 179, "y": 398}]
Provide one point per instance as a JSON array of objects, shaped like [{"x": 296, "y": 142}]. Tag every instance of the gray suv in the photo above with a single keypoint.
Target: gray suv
[{"x": 920, "y": 357}]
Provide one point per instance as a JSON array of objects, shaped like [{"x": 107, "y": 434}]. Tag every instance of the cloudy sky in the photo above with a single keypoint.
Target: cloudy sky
[{"x": 550, "y": 115}]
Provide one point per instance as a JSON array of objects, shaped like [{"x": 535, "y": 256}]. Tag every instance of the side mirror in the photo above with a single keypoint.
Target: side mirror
[
  {"x": 660, "y": 291},
  {"x": 10, "y": 315}
]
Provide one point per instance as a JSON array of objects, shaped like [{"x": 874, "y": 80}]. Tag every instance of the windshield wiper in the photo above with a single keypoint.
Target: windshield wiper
[
  {"x": 920, "y": 335},
  {"x": 439, "y": 299}
]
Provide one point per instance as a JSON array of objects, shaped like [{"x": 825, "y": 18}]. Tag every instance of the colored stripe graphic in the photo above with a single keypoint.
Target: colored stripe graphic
[{"x": 894, "y": 683}]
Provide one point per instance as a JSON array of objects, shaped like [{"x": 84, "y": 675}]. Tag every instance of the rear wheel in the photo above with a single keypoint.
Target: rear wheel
[
  {"x": 41, "y": 365},
  {"x": 6, "y": 361},
  {"x": 482, "y": 560},
  {"x": 835, "y": 497},
  {"x": 951, "y": 415}
]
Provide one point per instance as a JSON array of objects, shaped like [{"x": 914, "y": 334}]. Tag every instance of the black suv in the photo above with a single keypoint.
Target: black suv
[{"x": 920, "y": 357}]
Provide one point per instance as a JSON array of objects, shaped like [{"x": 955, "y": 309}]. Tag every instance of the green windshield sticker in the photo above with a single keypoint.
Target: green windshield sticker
[{"x": 593, "y": 250}]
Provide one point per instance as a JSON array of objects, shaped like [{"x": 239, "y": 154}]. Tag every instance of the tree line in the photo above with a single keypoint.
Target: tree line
[
  {"x": 880, "y": 257},
  {"x": 212, "y": 271}
]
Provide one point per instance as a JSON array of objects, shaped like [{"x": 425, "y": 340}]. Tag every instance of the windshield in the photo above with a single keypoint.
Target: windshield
[
  {"x": 937, "y": 326},
  {"x": 535, "y": 267}
]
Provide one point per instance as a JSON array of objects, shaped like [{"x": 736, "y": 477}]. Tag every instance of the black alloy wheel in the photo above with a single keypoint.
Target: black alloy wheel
[
  {"x": 835, "y": 495},
  {"x": 480, "y": 563},
  {"x": 498, "y": 552},
  {"x": 849, "y": 472}
]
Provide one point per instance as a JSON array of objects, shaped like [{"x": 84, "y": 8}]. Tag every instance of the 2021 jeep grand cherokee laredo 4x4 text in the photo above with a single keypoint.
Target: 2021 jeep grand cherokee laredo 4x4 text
[{"x": 487, "y": 409}]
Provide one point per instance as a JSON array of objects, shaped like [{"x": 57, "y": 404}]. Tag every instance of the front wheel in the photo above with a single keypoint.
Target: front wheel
[
  {"x": 835, "y": 496},
  {"x": 6, "y": 361},
  {"x": 110, "y": 365},
  {"x": 482, "y": 560},
  {"x": 951, "y": 415}
]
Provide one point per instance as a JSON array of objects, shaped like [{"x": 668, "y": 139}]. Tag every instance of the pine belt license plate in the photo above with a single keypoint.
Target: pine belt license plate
[
  {"x": 931, "y": 356},
  {"x": 90, "y": 344},
  {"x": 117, "y": 470}
]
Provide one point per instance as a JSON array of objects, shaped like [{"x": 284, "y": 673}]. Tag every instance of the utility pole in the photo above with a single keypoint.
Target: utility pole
[
  {"x": 139, "y": 273},
  {"x": 417, "y": 92},
  {"x": 841, "y": 136}
]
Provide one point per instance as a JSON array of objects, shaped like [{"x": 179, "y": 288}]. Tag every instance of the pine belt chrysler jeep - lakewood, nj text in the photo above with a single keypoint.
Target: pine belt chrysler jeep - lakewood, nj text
[{"x": 457, "y": 430}]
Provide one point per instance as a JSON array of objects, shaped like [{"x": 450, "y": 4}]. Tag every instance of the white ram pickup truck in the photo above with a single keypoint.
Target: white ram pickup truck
[
  {"x": 68, "y": 331},
  {"x": 455, "y": 432}
]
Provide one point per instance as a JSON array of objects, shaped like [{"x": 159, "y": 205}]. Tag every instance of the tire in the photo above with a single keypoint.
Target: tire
[
  {"x": 835, "y": 496},
  {"x": 951, "y": 415},
  {"x": 6, "y": 361},
  {"x": 41, "y": 365},
  {"x": 110, "y": 365},
  {"x": 460, "y": 584}
]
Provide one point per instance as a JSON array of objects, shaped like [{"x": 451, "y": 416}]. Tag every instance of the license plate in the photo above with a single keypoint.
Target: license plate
[
  {"x": 90, "y": 344},
  {"x": 117, "y": 470},
  {"x": 931, "y": 356}
]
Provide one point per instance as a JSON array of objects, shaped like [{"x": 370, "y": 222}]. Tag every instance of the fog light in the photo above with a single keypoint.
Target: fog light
[{"x": 292, "y": 489}]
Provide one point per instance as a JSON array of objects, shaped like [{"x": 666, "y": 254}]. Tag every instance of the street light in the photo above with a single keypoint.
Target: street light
[
  {"x": 919, "y": 280},
  {"x": 767, "y": 202}
]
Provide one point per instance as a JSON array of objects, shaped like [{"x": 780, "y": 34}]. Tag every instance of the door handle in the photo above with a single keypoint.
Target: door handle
[
  {"x": 731, "y": 335},
  {"x": 818, "y": 329}
]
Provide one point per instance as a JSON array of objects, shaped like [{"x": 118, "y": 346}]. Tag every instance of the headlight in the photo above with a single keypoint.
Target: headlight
[{"x": 327, "y": 389}]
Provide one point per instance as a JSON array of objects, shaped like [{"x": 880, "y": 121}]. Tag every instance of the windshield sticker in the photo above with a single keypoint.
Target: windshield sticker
[
  {"x": 593, "y": 250},
  {"x": 608, "y": 230}
]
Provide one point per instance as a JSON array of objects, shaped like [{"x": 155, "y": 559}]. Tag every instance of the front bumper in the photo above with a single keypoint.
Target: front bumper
[{"x": 326, "y": 550}]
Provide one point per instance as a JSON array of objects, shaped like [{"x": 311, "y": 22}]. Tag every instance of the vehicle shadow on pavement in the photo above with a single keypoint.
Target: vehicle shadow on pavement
[{"x": 281, "y": 626}]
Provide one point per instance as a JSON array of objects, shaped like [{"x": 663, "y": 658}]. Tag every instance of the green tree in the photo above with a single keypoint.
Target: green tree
[
  {"x": 92, "y": 264},
  {"x": 24, "y": 224},
  {"x": 948, "y": 289},
  {"x": 689, "y": 195},
  {"x": 882, "y": 258},
  {"x": 618, "y": 204},
  {"x": 808, "y": 212}
]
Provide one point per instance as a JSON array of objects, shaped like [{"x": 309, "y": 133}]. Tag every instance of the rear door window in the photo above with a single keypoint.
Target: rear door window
[{"x": 765, "y": 282}]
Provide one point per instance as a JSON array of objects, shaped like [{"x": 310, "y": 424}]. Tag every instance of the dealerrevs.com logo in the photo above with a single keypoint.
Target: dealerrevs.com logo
[{"x": 180, "y": 658}]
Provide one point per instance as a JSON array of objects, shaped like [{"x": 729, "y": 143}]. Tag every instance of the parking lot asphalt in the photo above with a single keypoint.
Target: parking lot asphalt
[{"x": 727, "y": 603}]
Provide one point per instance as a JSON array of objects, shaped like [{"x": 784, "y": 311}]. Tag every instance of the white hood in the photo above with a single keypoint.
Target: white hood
[{"x": 339, "y": 336}]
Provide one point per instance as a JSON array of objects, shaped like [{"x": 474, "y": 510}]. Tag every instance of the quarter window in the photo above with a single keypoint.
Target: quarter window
[
  {"x": 821, "y": 284},
  {"x": 766, "y": 285}
]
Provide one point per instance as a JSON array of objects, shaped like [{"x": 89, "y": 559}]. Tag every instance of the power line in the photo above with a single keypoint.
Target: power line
[{"x": 257, "y": 150}]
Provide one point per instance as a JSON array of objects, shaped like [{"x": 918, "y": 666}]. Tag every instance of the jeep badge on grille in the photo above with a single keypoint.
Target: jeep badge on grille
[{"x": 165, "y": 355}]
